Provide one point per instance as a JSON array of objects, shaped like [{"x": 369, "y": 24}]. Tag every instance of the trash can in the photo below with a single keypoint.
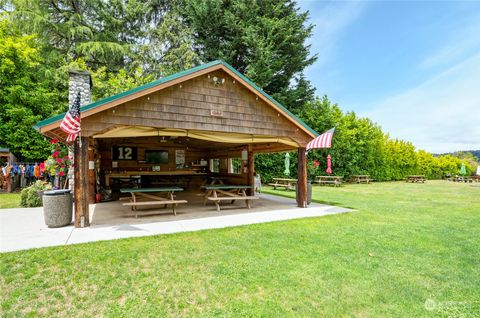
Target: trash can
[
  {"x": 57, "y": 208},
  {"x": 309, "y": 192}
]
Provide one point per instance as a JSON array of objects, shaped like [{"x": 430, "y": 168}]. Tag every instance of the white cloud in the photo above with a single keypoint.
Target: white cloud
[
  {"x": 462, "y": 43},
  {"x": 439, "y": 115}
]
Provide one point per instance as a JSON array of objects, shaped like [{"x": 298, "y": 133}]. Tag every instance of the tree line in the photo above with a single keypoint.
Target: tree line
[
  {"x": 124, "y": 44},
  {"x": 361, "y": 147}
]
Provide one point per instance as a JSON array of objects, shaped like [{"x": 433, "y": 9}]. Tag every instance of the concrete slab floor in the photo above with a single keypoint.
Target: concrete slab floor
[{"x": 25, "y": 228}]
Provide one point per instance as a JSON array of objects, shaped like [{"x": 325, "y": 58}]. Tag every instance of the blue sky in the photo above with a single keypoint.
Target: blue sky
[{"x": 411, "y": 66}]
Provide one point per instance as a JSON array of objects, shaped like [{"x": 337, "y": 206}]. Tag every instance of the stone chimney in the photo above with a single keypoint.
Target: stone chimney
[{"x": 79, "y": 81}]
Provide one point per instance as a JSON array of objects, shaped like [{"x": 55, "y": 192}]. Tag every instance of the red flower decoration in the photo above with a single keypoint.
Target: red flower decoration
[
  {"x": 53, "y": 141},
  {"x": 316, "y": 163},
  {"x": 63, "y": 166},
  {"x": 66, "y": 157},
  {"x": 61, "y": 173},
  {"x": 59, "y": 160},
  {"x": 55, "y": 154}
]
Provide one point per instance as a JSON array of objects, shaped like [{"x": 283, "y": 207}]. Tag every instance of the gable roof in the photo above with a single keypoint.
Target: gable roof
[{"x": 173, "y": 79}]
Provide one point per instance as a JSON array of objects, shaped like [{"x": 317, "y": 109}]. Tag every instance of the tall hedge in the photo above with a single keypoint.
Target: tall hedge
[{"x": 361, "y": 147}]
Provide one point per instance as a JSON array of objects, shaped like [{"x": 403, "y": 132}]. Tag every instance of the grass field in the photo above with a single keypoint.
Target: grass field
[
  {"x": 409, "y": 250},
  {"x": 9, "y": 200}
]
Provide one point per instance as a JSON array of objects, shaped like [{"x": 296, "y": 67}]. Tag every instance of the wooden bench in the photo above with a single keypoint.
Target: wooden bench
[
  {"x": 415, "y": 179},
  {"x": 138, "y": 195},
  {"x": 327, "y": 180},
  {"x": 219, "y": 192},
  {"x": 283, "y": 183},
  {"x": 361, "y": 179},
  {"x": 462, "y": 179}
]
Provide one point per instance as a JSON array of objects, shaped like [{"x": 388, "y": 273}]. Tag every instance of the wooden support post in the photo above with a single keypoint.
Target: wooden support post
[
  {"x": 91, "y": 172},
  {"x": 302, "y": 178},
  {"x": 81, "y": 182},
  {"x": 9, "y": 185},
  {"x": 251, "y": 171}
]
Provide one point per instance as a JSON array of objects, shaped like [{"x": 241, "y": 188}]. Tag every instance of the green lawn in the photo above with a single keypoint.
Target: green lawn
[
  {"x": 9, "y": 200},
  {"x": 410, "y": 250}
]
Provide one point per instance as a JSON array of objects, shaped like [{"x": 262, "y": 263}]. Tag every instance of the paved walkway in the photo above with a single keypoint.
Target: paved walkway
[{"x": 25, "y": 228}]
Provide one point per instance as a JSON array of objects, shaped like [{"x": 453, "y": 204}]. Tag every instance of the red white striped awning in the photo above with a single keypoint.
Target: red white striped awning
[{"x": 322, "y": 141}]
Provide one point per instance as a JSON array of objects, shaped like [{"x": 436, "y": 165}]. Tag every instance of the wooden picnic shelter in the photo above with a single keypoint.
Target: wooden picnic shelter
[{"x": 205, "y": 122}]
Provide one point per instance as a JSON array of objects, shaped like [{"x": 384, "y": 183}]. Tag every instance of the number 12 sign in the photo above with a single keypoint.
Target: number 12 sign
[{"x": 124, "y": 153}]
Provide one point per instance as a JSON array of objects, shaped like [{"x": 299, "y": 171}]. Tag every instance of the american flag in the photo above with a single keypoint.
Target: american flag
[
  {"x": 71, "y": 122},
  {"x": 322, "y": 141}
]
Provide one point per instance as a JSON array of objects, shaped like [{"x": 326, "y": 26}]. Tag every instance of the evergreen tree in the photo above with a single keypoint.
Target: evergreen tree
[
  {"x": 112, "y": 34},
  {"x": 264, "y": 39}
]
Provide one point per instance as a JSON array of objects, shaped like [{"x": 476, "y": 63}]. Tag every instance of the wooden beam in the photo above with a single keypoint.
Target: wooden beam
[
  {"x": 91, "y": 171},
  {"x": 81, "y": 182},
  {"x": 273, "y": 148},
  {"x": 251, "y": 171},
  {"x": 53, "y": 135},
  {"x": 9, "y": 185},
  {"x": 302, "y": 178}
]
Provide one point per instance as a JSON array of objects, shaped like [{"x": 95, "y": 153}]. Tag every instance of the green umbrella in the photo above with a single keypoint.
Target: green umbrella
[
  {"x": 287, "y": 164},
  {"x": 463, "y": 171}
]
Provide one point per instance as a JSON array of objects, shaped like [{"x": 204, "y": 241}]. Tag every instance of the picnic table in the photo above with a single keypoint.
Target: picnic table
[
  {"x": 153, "y": 196},
  {"x": 222, "y": 192},
  {"x": 476, "y": 178},
  {"x": 335, "y": 180},
  {"x": 283, "y": 183},
  {"x": 415, "y": 179},
  {"x": 462, "y": 179},
  {"x": 133, "y": 177},
  {"x": 364, "y": 178}
]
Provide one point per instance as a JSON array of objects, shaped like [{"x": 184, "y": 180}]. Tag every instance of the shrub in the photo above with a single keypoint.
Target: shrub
[{"x": 29, "y": 197}]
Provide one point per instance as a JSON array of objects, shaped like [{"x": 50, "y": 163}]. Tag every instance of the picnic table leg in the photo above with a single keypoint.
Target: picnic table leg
[
  {"x": 132, "y": 200},
  {"x": 209, "y": 192},
  {"x": 217, "y": 202},
  {"x": 171, "y": 196},
  {"x": 237, "y": 192},
  {"x": 134, "y": 207},
  {"x": 247, "y": 202}
]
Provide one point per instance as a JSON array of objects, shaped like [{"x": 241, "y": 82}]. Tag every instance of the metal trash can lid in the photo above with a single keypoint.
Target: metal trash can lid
[{"x": 57, "y": 192}]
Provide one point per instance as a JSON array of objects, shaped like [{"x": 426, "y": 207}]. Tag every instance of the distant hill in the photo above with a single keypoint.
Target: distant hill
[{"x": 476, "y": 153}]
